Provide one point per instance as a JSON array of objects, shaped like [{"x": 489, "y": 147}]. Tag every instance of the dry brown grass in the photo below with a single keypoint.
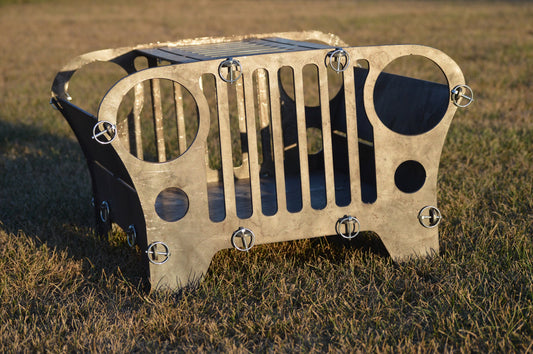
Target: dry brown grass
[{"x": 62, "y": 289}]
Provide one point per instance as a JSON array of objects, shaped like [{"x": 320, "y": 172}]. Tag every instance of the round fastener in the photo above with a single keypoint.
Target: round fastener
[
  {"x": 233, "y": 68},
  {"x": 104, "y": 132},
  {"x": 351, "y": 226},
  {"x": 104, "y": 211},
  {"x": 54, "y": 103},
  {"x": 338, "y": 60},
  {"x": 158, "y": 252},
  {"x": 462, "y": 93},
  {"x": 246, "y": 239},
  {"x": 429, "y": 216},
  {"x": 131, "y": 235}
]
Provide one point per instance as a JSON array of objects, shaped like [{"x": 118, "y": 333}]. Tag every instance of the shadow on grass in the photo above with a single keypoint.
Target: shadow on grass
[{"x": 45, "y": 191}]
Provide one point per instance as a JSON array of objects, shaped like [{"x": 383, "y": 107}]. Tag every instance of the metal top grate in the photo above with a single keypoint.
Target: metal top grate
[{"x": 252, "y": 46}]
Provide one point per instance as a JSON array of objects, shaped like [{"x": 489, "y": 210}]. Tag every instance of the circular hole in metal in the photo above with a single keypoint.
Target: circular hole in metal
[
  {"x": 411, "y": 95},
  {"x": 171, "y": 204},
  {"x": 157, "y": 120},
  {"x": 410, "y": 176}
]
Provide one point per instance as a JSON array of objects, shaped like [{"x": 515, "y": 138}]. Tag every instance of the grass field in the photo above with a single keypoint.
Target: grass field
[{"x": 63, "y": 289}]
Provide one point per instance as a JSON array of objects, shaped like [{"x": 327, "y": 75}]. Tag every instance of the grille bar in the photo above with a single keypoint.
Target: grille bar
[
  {"x": 326, "y": 136},
  {"x": 225, "y": 148},
  {"x": 302, "y": 136},
  {"x": 277, "y": 140},
  {"x": 252, "y": 145}
]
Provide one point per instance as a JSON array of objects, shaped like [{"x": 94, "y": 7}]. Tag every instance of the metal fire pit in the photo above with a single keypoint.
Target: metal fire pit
[{"x": 215, "y": 143}]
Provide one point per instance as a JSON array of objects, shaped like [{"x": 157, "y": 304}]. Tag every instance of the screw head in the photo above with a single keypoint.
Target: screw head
[
  {"x": 158, "y": 252},
  {"x": 104, "y": 211},
  {"x": 131, "y": 235},
  {"x": 104, "y": 132},
  {"x": 338, "y": 60},
  {"x": 348, "y": 227},
  {"x": 429, "y": 216},
  {"x": 233, "y": 70},
  {"x": 462, "y": 93},
  {"x": 246, "y": 239}
]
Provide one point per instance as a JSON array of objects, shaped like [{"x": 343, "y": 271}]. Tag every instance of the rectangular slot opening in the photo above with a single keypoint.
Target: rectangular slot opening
[
  {"x": 367, "y": 161},
  {"x": 263, "y": 119},
  {"x": 215, "y": 187},
  {"x": 239, "y": 148},
  {"x": 339, "y": 136},
  {"x": 315, "y": 141},
  {"x": 293, "y": 183}
]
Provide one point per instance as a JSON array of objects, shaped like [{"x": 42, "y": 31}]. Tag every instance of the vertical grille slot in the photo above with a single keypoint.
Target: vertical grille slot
[
  {"x": 215, "y": 189},
  {"x": 157, "y": 109},
  {"x": 265, "y": 140},
  {"x": 290, "y": 138},
  {"x": 365, "y": 132},
  {"x": 251, "y": 132},
  {"x": 226, "y": 153},
  {"x": 291, "y": 152},
  {"x": 314, "y": 136},
  {"x": 349, "y": 144},
  {"x": 277, "y": 139},
  {"x": 302, "y": 136}
]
